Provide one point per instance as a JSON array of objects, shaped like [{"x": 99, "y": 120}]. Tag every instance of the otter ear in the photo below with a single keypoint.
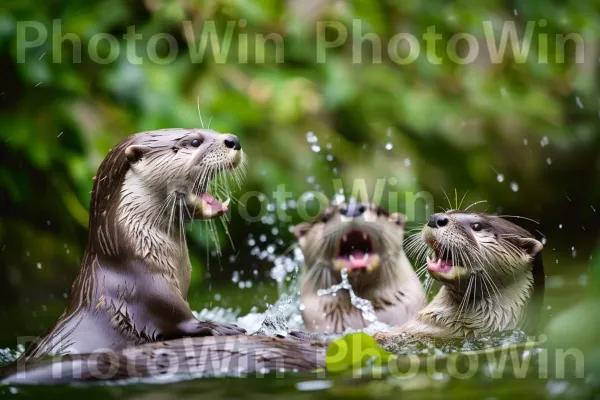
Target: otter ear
[
  {"x": 532, "y": 246},
  {"x": 398, "y": 219},
  {"x": 301, "y": 229},
  {"x": 135, "y": 152}
]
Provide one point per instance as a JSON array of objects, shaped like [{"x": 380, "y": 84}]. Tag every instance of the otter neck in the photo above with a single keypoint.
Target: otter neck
[
  {"x": 148, "y": 226},
  {"x": 484, "y": 309}
]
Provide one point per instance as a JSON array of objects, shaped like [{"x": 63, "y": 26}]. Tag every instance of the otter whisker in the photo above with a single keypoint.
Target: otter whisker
[
  {"x": 474, "y": 204},
  {"x": 224, "y": 223},
  {"x": 464, "y": 301},
  {"x": 462, "y": 200},
  {"x": 519, "y": 217},
  {"x": 447, "y": 198},
  {"x": 199, "y": 113}
]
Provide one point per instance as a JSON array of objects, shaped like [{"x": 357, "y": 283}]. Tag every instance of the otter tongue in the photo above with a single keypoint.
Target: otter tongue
[
  {"x": 358, "y": 259},
  {"x": 439, "y": 265},
  {"x": 213, "y": 205}
]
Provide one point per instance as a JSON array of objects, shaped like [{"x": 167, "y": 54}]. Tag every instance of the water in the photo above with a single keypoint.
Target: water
[
  {"x": 364, "y": 305},
  {"x": 283, "y": 314},
  {"x": 270, "y": 305}
]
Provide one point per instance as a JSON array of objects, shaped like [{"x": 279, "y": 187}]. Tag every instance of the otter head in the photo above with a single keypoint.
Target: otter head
[
  {"x": 466, "y": 245},
  {"x": 179, "y": 164},
  {"x": 152, "y": 182},
  {"x": 360, "y": 238}
]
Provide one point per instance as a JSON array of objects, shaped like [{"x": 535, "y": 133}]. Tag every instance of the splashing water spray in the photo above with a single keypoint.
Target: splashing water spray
[{"x": 364, "y": 305}]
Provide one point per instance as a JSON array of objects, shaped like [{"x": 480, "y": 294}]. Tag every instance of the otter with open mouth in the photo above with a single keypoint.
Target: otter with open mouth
[
  {"x": 135, "y": 273},
  {"x": 366, "y": 241},
  {"x": 492, "y": 278}
]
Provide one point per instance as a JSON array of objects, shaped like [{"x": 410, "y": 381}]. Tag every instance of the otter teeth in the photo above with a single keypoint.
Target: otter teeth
[
  {"x": 345, "y": 238},
  {"x": 226, "y": 202},
  {"x": 364, "y": 236},
  {"x": 366, "y": 257}
]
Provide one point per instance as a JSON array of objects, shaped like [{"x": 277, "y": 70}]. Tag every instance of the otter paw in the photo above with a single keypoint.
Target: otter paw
[
  {"x": 215, "y": 329},
  {"x": 383, "y": 337},
  {"x": 195, "y": 328}
]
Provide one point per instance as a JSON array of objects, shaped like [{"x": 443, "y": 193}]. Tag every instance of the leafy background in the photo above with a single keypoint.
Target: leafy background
[{"x": 521, "y": 135}]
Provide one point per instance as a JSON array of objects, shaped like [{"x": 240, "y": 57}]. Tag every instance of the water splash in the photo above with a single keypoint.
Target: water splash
[
  {"x": 9, "y": 355},
  {"x": 364, "y": 305}
]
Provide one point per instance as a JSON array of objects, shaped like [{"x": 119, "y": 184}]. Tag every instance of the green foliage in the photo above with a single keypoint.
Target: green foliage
[{"x": 355, "y": 351}]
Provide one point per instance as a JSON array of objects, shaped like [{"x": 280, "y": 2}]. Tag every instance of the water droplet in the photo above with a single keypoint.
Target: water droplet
[
  {"x": 38, "y": 265},
  {"x": 545, "y": 141},
  {"x": 549, "y": 161},
  {"x": 262, "y": 238},
  {"x": 578, "y": 101},
  {"x": 312, "y": 386},
  {"x": 316, "y": 148},
  {"x": 560, "y": 226},
  {"x": 500, "y": 178},
  {"x": 311, "y": 138},
  {"x": 525, "y": 142},
  {"x": 407, "y": 162},
  {"x": 329, "y": 157},
  {"x": 389, "y": 146},
  {"x": 514, "y": 187}
]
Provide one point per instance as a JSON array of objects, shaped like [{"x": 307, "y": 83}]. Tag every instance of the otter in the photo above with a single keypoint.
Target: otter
[
  {"x": 366, "y": 241},
  {"x": 135, "y": 273},
  {"x": 492, "y": 278}
]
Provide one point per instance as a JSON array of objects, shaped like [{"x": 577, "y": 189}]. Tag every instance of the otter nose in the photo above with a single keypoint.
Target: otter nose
[
  {"x": 353, "y": 210},
  {"x": 437, "y": 221},
  {"x": 232, "y": 142}
]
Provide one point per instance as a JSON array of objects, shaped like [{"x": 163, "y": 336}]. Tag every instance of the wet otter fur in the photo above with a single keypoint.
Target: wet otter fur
[
  {"x": 135, "y": 273},
  {"x": 492, "y": 278},
  {"x": 366, "y": 241}
]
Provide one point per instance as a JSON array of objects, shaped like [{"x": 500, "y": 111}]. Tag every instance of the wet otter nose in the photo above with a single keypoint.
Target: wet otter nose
[
  {"x": 353, "y": 210},
  {"x": 437, "y": 221},
  {"x": 232, "y": 142}
]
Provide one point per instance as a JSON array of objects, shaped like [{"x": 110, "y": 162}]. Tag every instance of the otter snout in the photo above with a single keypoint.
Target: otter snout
[
  {"x": 437, "y": 221},
  {"x": 232, "y": 142}
]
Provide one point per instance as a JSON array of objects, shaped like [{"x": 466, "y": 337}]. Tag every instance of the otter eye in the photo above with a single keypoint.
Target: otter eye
[
  {"x": 476, "y": 227},
  {"x": 195, "y": 143}
]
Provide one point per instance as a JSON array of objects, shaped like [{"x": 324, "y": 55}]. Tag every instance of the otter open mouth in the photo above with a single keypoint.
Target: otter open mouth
[
  {"x": 442, "y": 262},
  {"x": 355, "y": 252},
  {"x": 203, "y": 205}
]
